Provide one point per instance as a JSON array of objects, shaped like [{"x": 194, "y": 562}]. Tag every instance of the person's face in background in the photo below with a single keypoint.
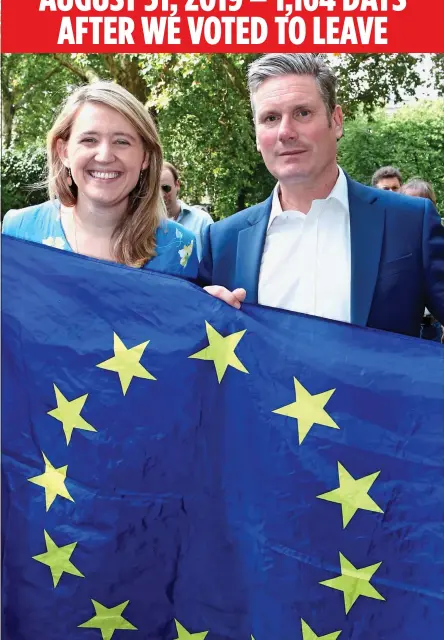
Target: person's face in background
[
  {"x": 416, "y": 191},
  {"x": 413, "y": 192},
  {"x": 389, "y": 184},
  {"x": 170, "y": 189}
]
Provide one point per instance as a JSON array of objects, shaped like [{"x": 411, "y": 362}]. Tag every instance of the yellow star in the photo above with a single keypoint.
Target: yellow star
[
  {"x": 352, "y": 494},
  {"x": 108, "y": 620},
  {"x": 58, "y": 559},
  {"x": 308, "y": 634},
  {"x": 183, "y": 634},
  {"x": 221, "y": 351},
  {"x": 53, "y": 481},
  {"x": 354, "y": 582},
  {"x": 126, "y": 362},
  {"x": 308, "y": 410},
  {"x": 68, "y": 413}
]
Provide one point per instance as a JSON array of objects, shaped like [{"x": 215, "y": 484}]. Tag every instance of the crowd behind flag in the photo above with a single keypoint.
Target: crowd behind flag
[{"x": 175, "y": 468}]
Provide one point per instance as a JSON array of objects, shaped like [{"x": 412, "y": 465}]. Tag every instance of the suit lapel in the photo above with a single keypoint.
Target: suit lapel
[
  {"x": 250, "y": 247},
  {"x": 367, "y": 221}
]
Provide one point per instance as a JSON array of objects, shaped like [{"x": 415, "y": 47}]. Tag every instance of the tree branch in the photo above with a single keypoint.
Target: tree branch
[
  {"x": 87, "y": 75},
  {"x": 235, "y": 76}
]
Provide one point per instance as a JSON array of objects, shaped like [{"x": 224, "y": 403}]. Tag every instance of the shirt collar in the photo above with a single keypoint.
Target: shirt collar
[
  {"x": 339, "y": 193},
  {"x": 182, "y": 210}
]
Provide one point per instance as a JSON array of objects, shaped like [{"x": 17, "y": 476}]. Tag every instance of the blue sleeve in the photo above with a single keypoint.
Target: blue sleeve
[
  {"x": 12, "y": 223},
  {"x": 206, "y": 263},
  {"x": 176, "y": 251},
  {"x": 206, "y": 222},
  {"x": 433, "y": 259},
  {"x": 30, "y": 223}
]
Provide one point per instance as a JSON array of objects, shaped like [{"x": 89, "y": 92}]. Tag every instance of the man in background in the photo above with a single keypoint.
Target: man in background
[
  {"x": 431, "y": 329},
  {"x": 387, "y": 178},
  {"x": 194, "y": 219}
]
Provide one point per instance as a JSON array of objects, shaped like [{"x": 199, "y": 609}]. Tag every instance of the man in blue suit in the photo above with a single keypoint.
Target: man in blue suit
[{"x": 322, "y": 243}]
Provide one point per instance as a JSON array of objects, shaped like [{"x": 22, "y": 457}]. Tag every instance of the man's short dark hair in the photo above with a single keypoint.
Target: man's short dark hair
[
  {"x": 386, "y": 172},
  {"x": 172, "y": 168}
]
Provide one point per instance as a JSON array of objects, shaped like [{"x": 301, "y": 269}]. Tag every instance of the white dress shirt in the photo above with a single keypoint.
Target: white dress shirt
[{"x": 306, "y": 260}]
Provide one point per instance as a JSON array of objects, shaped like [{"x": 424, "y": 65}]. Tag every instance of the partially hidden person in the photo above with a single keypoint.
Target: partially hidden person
[{"x": 192, "y": 218}]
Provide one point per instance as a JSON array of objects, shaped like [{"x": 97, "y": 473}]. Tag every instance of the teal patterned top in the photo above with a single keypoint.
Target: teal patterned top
[{"x": 175, "y": 245}]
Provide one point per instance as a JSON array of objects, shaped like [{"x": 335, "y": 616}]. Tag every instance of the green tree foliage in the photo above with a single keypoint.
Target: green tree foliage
[
  {"x": 412, "y": 139},
  {"x": 32, "y": 88},
  {"x": 35, "y": 85},
  {"x": 22, "y": 168},
  {"x": 367, "y": 80},
  {"x": 203, "y": 113},
  {"x": 438, "y": 72}
]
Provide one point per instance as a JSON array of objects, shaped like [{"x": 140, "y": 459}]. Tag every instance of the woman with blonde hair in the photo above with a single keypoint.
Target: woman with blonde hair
[
  {"x": 104, "y": 167},
  {"x": 419, "y": 188}
]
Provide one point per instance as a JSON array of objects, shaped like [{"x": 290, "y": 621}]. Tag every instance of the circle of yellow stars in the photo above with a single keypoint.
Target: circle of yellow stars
[
  {"x": 126, "y": 363},
  {"x": 307, "y": 409}
]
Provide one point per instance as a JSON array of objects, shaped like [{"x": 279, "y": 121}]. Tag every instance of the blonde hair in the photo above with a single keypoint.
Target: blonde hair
[
  {"x": 419, "y": 188},
  {"x": 134, "y": 240}
]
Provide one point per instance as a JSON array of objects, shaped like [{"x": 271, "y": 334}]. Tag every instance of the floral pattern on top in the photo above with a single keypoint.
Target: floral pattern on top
[
  {"x": 175, "y": 246},
  {"x": 185, "y": 253},
  {"x": 58, "y": 243}
]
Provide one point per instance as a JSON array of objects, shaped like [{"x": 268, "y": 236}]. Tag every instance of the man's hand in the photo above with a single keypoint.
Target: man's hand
[{"x": 233, "y": 298}]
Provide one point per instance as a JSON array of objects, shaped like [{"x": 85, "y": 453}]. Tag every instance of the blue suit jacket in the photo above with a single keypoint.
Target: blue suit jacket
[{"x": 397, "y": 257}]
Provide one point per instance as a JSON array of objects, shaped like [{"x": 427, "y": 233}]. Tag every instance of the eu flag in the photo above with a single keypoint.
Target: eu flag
[{"x": 175, "y": 468}]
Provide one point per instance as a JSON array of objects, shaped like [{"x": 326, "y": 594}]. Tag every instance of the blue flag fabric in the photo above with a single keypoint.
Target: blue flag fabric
[{"x": 175, "y": 468}]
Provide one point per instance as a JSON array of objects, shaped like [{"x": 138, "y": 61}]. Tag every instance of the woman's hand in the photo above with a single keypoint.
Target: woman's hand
[{"x": 233, "y": 298}]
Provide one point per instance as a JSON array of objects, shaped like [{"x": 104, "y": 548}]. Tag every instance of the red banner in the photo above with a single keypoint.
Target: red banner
[{"x": 211, "y": 26}]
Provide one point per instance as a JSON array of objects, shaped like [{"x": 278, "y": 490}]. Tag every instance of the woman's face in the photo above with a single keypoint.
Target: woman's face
[
  {"x": 105, "y": 154},
  {"x": 410, "y": 191}
]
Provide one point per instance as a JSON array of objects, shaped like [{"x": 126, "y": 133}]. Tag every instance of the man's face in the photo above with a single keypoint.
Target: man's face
[
  {"x": 388, "y": 184},
  {"x": 170, "y": 189},
  {"x": 294, "y": 133}
]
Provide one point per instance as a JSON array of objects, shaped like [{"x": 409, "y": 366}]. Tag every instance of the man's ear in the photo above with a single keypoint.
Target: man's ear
[
  {"x": 337, "y": 120},
  {"x": 61, "y": 147},
  {"x": 258, "y": 147}
]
